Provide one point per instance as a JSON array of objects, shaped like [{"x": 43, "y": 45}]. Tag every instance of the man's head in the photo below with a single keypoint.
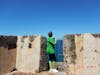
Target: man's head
[{"x": 50, "y": 34}]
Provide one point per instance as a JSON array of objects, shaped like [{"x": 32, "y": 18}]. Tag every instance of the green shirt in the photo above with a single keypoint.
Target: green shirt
[{"x": 50, "y": 45}]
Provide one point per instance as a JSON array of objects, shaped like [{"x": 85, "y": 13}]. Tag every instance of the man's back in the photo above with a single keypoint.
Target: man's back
[{"x": 50, "y": 45}]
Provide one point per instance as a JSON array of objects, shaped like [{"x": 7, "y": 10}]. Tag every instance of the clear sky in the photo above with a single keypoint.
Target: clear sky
[{"x": 28, "y": 17}]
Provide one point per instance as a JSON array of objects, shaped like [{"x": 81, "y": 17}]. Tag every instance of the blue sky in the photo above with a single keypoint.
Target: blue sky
[{"x": 28, "y": 17}]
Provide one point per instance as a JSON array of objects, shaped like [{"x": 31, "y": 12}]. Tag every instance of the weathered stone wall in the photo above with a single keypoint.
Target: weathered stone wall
[
  {"x": 7, "y": 53},
  {"x": 43, "y": 57},
  {"x": 24, "y": 53},
  {"x": 31, "y": 56},
  {"x": 86, "y": 51},
  {"x": 69, "y": 54},
  {"x": 28, "y": 54},
  {"x": 79, "y": 42},
  {"x": 91, "y": 54}
]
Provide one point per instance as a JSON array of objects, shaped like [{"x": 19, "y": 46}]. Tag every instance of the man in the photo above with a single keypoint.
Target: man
[{"x": 51, "y": 53}]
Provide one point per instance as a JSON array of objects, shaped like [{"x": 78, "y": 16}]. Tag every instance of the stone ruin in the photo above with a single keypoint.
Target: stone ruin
[
  {"x": 22, "y": 53},
  {"x": 81, "y": 54}
]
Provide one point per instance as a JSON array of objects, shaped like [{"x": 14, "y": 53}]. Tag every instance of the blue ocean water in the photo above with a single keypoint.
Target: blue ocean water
[{"x": 59, "y": 51}]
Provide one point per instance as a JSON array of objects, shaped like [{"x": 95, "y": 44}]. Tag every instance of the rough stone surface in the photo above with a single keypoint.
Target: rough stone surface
[
  {"x": 79, "y": 41},
  {"x": 31, "y": 56},
  {"x": 69, "y": 53},
  {"x": 27, "y": 54},
  {"x": 28, "y": 58},
  {"x": 24, "y": 53},
  {"x": 91, "y": 55},
  {"x": 7, "y": 53},
  {"x": 43, "y": 57},
  {"x": 86, "y": 48}
]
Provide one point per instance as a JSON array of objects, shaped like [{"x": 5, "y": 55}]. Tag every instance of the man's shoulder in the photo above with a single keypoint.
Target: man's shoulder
[{"x": 50, "y": 38}]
